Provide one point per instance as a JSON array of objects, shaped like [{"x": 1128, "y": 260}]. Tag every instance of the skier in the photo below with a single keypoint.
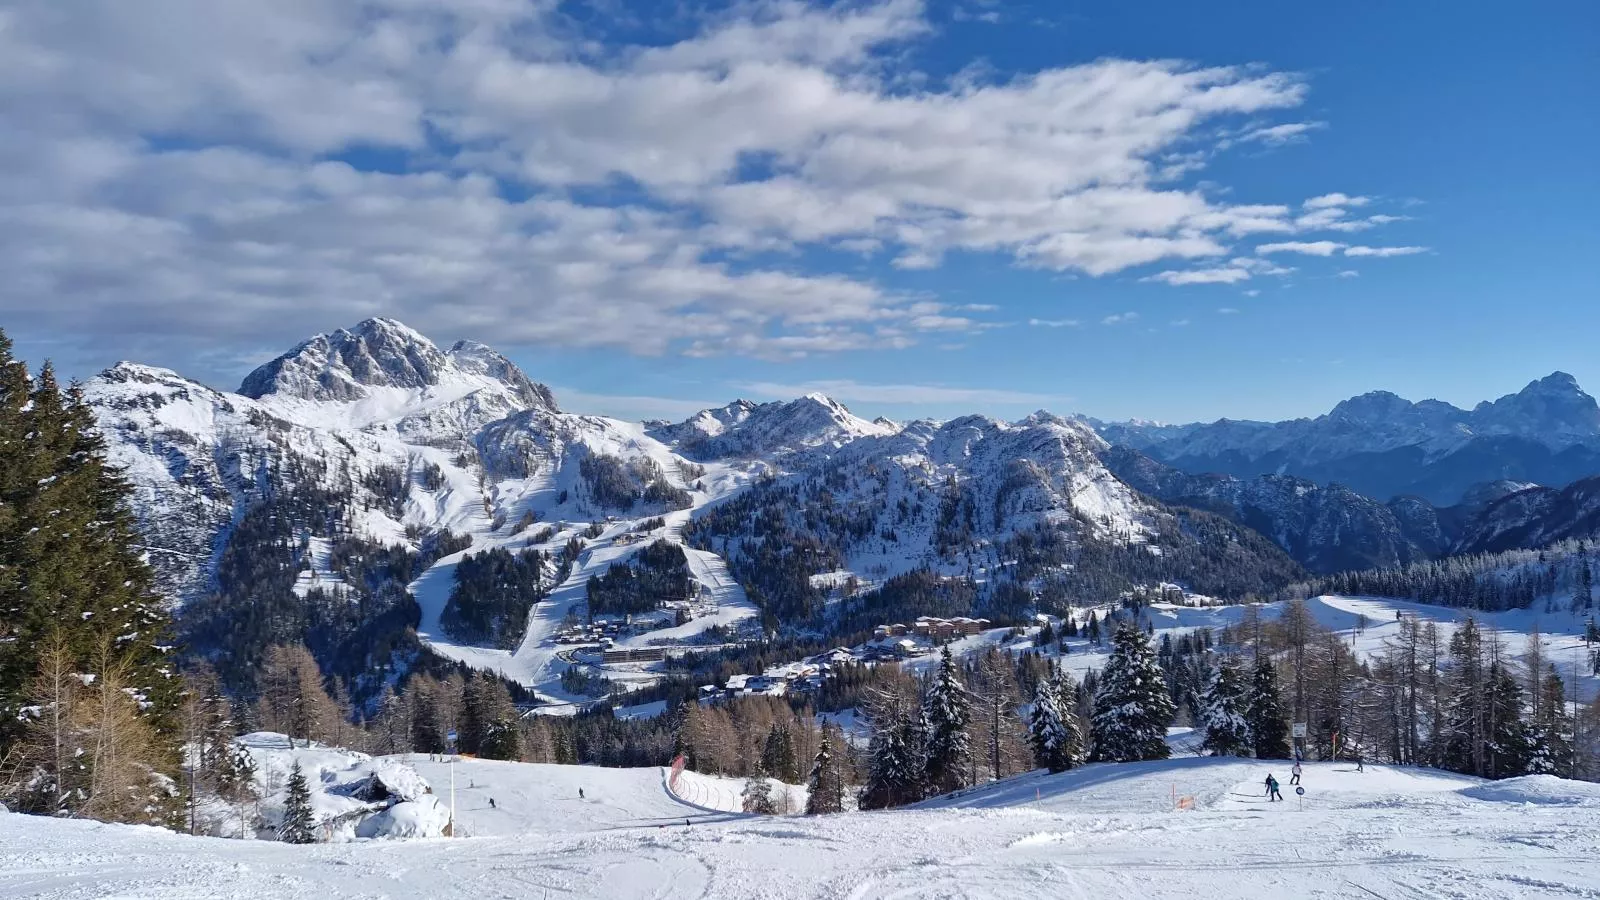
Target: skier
[
  {"x": 1294, "y": 774},
  {"x": 1272, "y": 789},
  {"x": 491, "y": 803},
  {"x": 580, "y": 793},
  {"x": 1360, "y": 766}
]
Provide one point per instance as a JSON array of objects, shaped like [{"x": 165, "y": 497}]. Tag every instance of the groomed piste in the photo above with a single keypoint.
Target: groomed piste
[{"x": 1099, "y": 831}]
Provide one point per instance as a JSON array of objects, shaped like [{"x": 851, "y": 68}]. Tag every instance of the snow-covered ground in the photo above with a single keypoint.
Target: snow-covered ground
[
  {"x": 1100, "y": 831},
  {"x": 1367, "y": 625}
]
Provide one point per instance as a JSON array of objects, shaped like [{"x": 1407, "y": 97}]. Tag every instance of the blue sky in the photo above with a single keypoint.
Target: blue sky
[{"x": 1172, "y": 211}]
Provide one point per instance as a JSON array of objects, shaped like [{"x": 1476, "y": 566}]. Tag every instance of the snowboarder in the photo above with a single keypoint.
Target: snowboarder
[
  {"x": 1360, "y": 763},
  {"x": 1272, "y": 789},
  {"x": 491, "y": 803},
  {"x": 580, "y": 793},
  {"x": 1294, "y": 774},
  {"x": 686, "y": 823}
]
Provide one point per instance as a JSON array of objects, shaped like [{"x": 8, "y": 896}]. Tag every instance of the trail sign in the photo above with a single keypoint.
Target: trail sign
[
  {"x": 1299, "y": 729},
  {"x": 1301, "y": 791}
]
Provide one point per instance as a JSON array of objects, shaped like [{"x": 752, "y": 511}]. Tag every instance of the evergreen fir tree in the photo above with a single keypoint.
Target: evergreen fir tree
[
  {"x": 1132, "y": 707},
  {"x": 1465, "y": 736},
  {"x": 757, "y": 796},
  {"x": 73, "y": 583},
  {"x": 1225, "y": 711},
  {"x": 1507, "y": 750},
  {"x": 777, "y": 755},
  {"x": 1268, "y": 726},
  {"x": 298, "y": 826},
  {"x": 1550, "y": 734},
  {"x": 1056, "y": 744},
  {"x": 947, "y": 717},
  {"x": 896, "y": 770},
  {"x": 825, "y": 785}
]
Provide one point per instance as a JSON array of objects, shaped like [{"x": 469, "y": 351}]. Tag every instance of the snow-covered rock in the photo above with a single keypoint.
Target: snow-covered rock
[
  {"x": 353, "y": 795},
  {"x": 745, "y": 429}
]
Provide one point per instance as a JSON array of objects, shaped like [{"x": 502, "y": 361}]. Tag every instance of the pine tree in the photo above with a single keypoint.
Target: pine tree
[
  {"x": 777, "y": 754},
  {"x": 896, "y": 770},
  {"x": 1466, "y": 727},
  {"x": 825, "y": 785},
  {"x": 489, "y": 720},
  {"x": 72, "y": 583},
  {"x": 757, "y": 796},
  {"x": 1225, "y": 711},
  {"x": 947, "y": 717},
  {"x": 1550, "y": 732},
  {"x": 1507, "y": 750},
  {"x": 1268, "y": 727},
  {"x": 1053, "y": 731},
  {"x": 298, "y": 826},
  {"x": 1132, "y": 707}
]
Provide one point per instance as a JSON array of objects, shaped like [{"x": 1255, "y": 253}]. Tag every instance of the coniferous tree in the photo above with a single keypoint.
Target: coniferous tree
[
  {"x": 757, "y": 795},
  {"x": 777, "y": 754},
  {"x": 1132, "y": 707},
  {"x": 73, "y": 584},
  {"x": 1506, "y": 754},
  {"x": 489, "y": 720},
  {"x": 1550, "y": 734},
  {"x": 1225, "y": 711},
  {"x": 1052, "y": 730},
  {"x": 896, "y": 767},
  {"x": 947, "y": 718},
  {"x": 298, "y": 827},
  {"x": 293, "y": 699},
  {"x": 1269, "y": 728},
  {"x": 1466, "y": 728},
  {"x": 825, "y": 785}
]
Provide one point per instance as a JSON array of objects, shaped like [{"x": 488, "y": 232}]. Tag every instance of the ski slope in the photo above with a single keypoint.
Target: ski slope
[
  {"x": 1096, "y": 832},
  {"x": 538, "y": 661}
]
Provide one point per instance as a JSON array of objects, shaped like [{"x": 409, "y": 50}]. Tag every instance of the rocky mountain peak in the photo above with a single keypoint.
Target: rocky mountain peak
[
  {"x": 1373, "y": 406},
  {"x": 340, "y": 366},
  {"x": 1554, "y": 404},
  {"x": 345, "y": 365},
  {"x": 479, "y": 359}
]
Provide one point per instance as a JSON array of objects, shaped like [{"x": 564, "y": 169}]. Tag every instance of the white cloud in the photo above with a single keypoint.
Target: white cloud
[
  {"x": 1054, "y": 323},
  {"x": 1232, "y": 274},
  {"x": 1287, "y": 133},
  {"x": 1336, "y": 199},
  {"x": 1309, "y": 248},
  {"x": 1120, "y": 318},
  {"x": 911, "y": 394},
  {"x": 180, "y": 171},
  {"x": 1349, "y": 273},
  {"x": 1383, "y": 251},
  {"x": 1179, "y": 323}
]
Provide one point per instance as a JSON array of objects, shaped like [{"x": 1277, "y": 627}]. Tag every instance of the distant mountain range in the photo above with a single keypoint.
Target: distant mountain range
[
  {"x": 372, "y": 437},
  {"x": 1384, "y": 446}
]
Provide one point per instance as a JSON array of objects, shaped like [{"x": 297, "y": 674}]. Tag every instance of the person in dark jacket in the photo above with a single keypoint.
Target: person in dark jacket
[{"x": 1272, "y": 789}]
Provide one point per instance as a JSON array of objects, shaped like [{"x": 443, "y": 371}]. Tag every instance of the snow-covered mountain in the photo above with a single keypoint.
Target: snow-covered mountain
[
  {"x": 331, "y": 499},
  {"x": 767, "y": 430},
  {"x": 409, "y": 437},
  {"x": 1534, "y": 517},
  {"x": 1383, "y": 445}
]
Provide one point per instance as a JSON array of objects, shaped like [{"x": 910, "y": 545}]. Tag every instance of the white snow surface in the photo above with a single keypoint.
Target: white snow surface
[
  {"x": 1100, "y": 831},
  {"x": 353, "y": 795}
]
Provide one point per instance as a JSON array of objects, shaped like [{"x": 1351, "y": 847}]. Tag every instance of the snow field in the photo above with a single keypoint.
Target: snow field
[{"x": 1095, "y": 832}]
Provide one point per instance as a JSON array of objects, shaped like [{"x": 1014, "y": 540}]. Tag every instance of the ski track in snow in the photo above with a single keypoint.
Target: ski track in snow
[{"x": 1096, "y": 832}]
